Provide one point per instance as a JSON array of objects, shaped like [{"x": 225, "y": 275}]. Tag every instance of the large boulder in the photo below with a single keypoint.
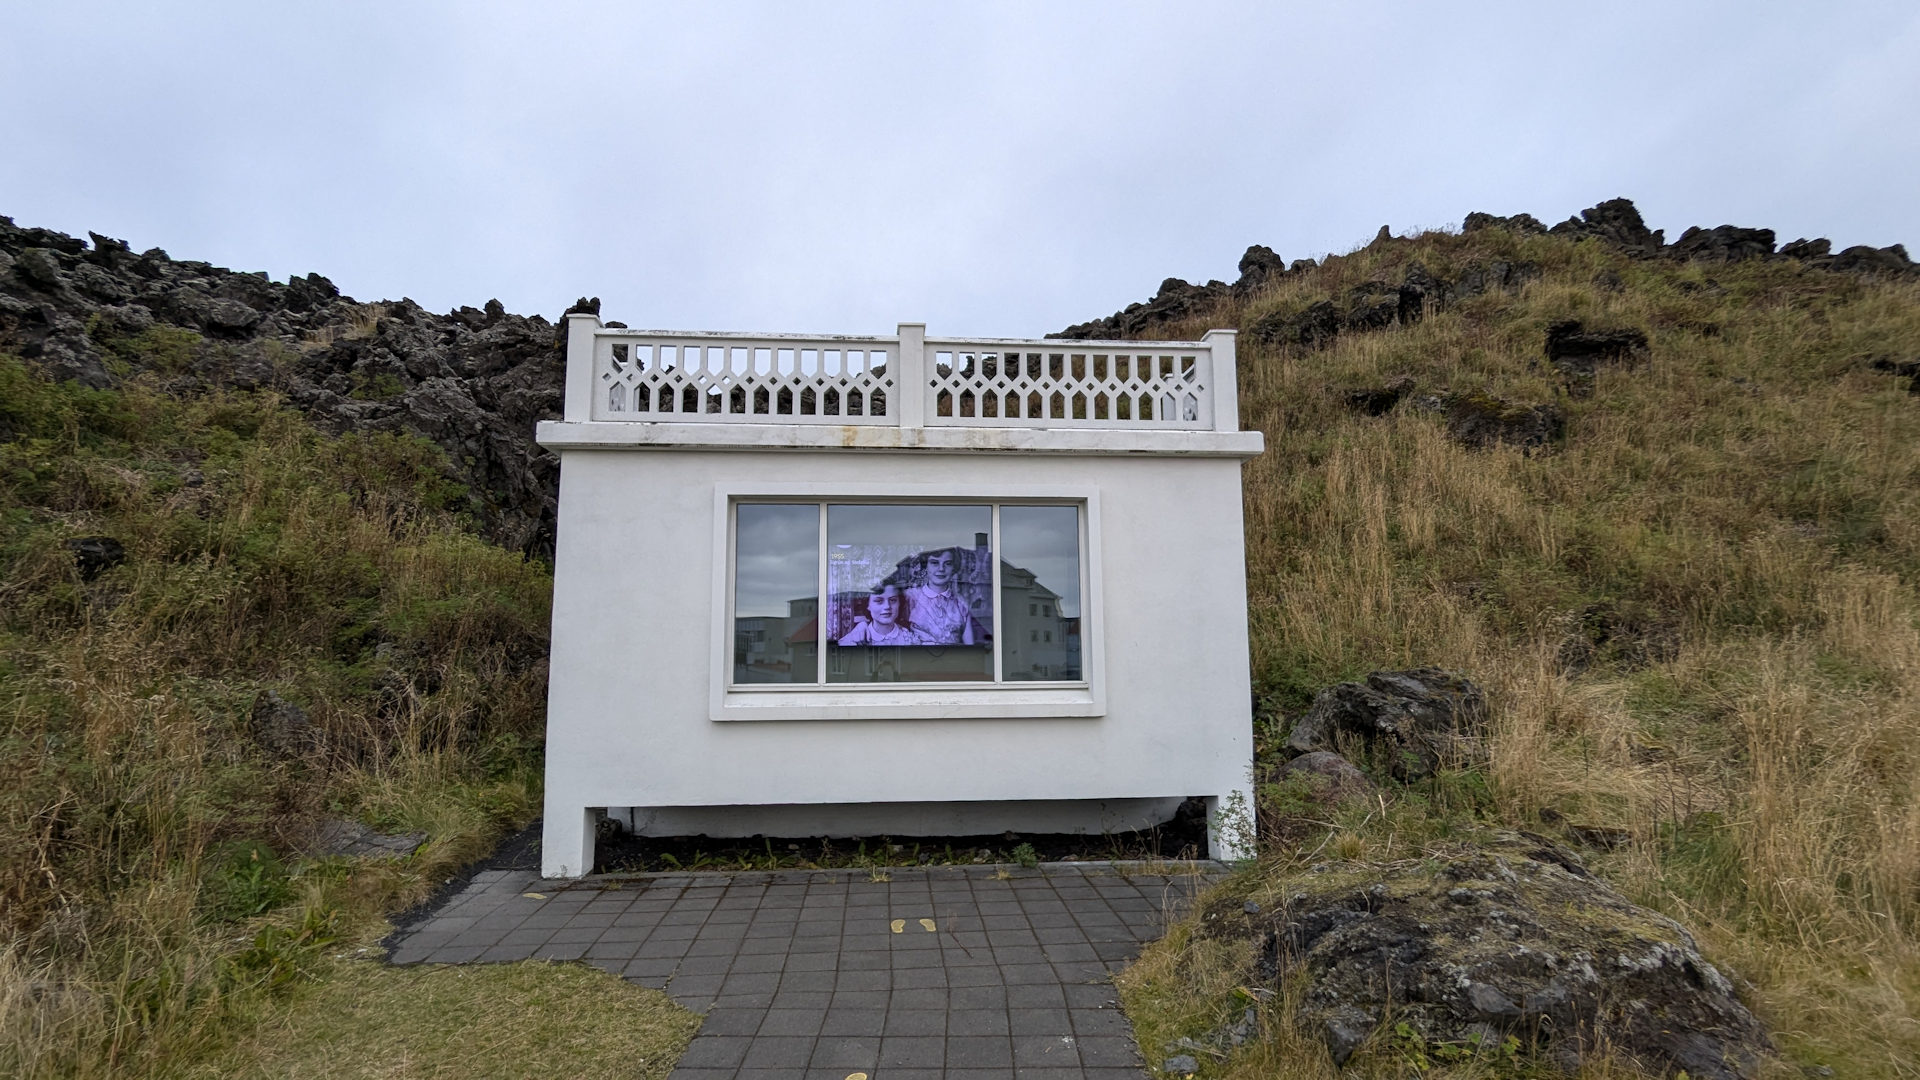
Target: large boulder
[
  {"x": 1616, "y": 222},
  {"x": 1723, "y": 243},
  {"x": 1259, "y": 266},
  {"x": 1411, "y": 722},
  {"x": 1579, "y": 351},
  {"x": 1518, "y": 224},
  {"x": 1494, "y": 936}
]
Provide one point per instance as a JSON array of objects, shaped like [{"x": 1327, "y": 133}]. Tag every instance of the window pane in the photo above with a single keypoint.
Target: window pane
[
  {"x": 910, "y": 594},
  {"x": 776, "y": 593},
  {"x": 1040, "y": 593}
]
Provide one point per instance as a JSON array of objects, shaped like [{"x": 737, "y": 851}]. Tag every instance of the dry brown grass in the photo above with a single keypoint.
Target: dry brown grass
[
  {"x": 140, "y": 931},
  {"x": 1739, "y": 513}
]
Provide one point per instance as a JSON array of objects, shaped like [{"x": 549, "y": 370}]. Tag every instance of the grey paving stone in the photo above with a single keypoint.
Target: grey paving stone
[
  {"x": 921, "y": 998},
  {"x": 696, "y": 985},
  {"x": 778, "y": 1051},
  {"x": 978, "y": 1022},
  {"x": 861, "y": 999},
  {"x": 979, "y": 1051},
  {"x": 1041, "y": 1051},
  {"x": 863, "y": 980},
  {"x": 909, "y": 1051},
  {"x": 801, "y": 975},
  {"x": 977, "y": 997},
  {"x": 846, "y": 1052},
  {"x": 803, "y": 980},
  {"x": 1028, "y": 1020},
  {"x": 839, "y": 1021},
  {"x": 706, "y": 965},
  {"x": 915, "y": 1022},
  {"x": 744, "y": 1022},
  {"x": 802, "y": 999},
  {"x": 717, "y": 1051},
  {"x": 1108, "y": 1050}
]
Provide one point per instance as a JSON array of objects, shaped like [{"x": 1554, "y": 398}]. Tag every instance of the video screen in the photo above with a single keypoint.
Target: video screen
[{"x": 906, "y": 595}]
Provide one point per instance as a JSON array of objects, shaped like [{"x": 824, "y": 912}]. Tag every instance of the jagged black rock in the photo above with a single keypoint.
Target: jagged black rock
[{"x": 474, "y": 381}]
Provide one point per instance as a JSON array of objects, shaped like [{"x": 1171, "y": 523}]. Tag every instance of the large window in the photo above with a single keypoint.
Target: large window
[{"x": 923, "y": 593}]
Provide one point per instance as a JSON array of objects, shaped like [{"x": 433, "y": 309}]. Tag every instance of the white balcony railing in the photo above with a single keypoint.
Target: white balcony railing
[{"x": 907, "y": 380}]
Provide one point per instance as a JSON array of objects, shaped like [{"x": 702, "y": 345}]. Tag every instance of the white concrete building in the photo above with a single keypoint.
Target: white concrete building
[{"x": 1032, "y": 565}]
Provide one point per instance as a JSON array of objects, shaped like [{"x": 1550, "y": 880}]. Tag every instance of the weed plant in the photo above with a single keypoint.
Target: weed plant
[
  {"x": 1695, "y": 617},
  {"x": 157, "y": 888}
]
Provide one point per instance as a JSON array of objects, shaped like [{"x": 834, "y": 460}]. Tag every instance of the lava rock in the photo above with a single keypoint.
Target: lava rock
[
  {"x": 1369, "y": 310},
  {"x": 1617, "y": 222},
  {"x": 1313, "y": 327},
  {"x": 1579, "y": 352},
  {"x": 280, "y": 727},
  {"x": 1723, "y": 243},
  {"x": 1906, "y": 369},
  {"x": 1417, "y": 288},
  {"x": 481, "y": 385},
  {"x": 1499, "y": 933},
  {"x": 1417, "y": 720},
  {"x": 1817, "y": 248},
  {"x": 1480, "y": 421},
  {"x": 1379, "y": 400},
  {"x": 1328, "y": 779},
  {"x": 1886, "y": 261},
  {"x": 95, "y": 555},
  {"x": 1258, "y": 267},
  {"x": 39, "y": 267},
  {"x": 1519, "y": 224}
]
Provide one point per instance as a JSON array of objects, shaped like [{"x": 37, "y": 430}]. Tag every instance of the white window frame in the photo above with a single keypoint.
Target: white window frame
[{"x": 895, "y": 701}]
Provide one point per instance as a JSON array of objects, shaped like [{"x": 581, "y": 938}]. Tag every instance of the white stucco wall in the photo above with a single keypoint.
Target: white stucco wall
[{"x": 632, "y": 712}]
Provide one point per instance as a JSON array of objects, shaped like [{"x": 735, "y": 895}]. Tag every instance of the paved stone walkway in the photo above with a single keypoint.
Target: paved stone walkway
[{"x": 931, "y": 972}]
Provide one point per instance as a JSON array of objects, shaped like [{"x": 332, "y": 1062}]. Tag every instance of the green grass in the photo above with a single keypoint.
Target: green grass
[{"x": 363, "y": 1020}]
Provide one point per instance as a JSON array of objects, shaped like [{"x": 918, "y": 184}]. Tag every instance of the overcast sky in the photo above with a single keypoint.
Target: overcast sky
[{"x": 989, "y": 169}]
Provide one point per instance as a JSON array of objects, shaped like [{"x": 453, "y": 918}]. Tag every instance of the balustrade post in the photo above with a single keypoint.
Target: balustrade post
[
  {"x": 1226, "y": 379},
  {"x": 579, "y": 400},
  {"x": 910, "y": 385}
]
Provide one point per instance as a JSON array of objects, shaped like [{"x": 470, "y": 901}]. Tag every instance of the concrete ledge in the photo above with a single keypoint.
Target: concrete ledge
[
  {"x": 1208, "y": 871},
  {"x": 695, "y": 435}
]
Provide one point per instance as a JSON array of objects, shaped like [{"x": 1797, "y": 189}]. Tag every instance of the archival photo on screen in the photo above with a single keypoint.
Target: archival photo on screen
[{"x": 909, "y": 593}]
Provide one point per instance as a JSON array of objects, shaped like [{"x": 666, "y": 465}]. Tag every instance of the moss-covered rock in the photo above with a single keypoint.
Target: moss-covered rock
[{"x": 1502, "y": 934}]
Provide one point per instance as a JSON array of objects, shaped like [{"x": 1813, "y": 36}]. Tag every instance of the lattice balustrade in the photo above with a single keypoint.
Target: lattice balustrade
[
  {"x": 1108, "y": 385},
  {"x": 761, "y": 380},
  {"x": 907, "y": 380}
]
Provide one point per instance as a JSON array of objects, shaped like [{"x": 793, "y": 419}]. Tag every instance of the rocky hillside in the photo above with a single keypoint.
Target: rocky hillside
[
  {"x": 1660, "y": 504},
  {"x": 474, "y": 380},
  {"x": 1374, "y": 305}
]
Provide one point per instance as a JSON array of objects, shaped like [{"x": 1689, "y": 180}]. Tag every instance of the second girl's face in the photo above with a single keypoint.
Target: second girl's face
[
  {"x": 940, "y": 568},
  {"x": 884, "y": 606}
]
